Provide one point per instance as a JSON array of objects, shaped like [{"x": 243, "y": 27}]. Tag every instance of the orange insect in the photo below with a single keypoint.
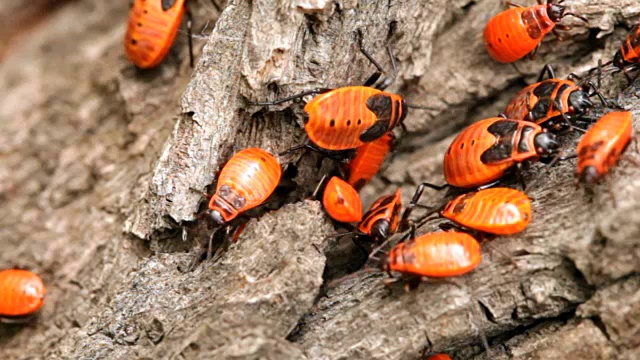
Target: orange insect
[
  {"x": 552, "y": 103},
  {"x": 439, "y": 357},
  {"x": 341, "y": 201},
  {"x": 518, "y": 31},
  {"x": 21, "y": 293},
  {"x": 246, "y": 181},
  {"x": 348, "y": 117},
  {"x": 368, "y": 161},
  {"x": 439, "y": 254},
  {"x": 501, "y": 211},
  {"x": 600, "y": 148},
  {"x": 151, "y": 30},
  {"x": 629, "y": 53},
  {"x": 484, "y": 151}
]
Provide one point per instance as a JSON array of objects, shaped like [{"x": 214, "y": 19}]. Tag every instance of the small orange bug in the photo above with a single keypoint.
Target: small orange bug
[
  {"x": 484, "y": 151},
  {"x": 368, "y": 161},
  {"x": 551, "y": 103},
  {"x": 341, "y": 201},
  {"x": 629, "y": 53},
  {"x": 601, "y": 147},
  {"x": 151, "y": 30},
  {"x": 439, "y": 357},
  {"x": 21, "y": 294},
  {"x": 439, "y": 254},
  {"x": 246, "y": 181},
  {"x": 500, "y": 211},
  {"x": 516, "y": 32},
  {"x": 348, "y": 117}
]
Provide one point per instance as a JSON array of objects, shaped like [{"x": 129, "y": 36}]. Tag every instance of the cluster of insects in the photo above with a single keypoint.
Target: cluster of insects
[{"x": 354, "y": 125}]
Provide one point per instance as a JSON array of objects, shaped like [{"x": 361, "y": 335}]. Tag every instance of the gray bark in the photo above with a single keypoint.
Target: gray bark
[{"x": 98, "y": 163}]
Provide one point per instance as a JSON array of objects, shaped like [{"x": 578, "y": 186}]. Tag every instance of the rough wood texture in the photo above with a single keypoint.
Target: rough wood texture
[{"x": 98, "y": 163}]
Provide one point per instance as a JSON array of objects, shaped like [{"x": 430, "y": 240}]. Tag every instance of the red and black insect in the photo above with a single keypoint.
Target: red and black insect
[
  {"x": 601, "y": 147},
  {"x": 348, "y": 117},
  {"x": 436, "y": 255},
  {"x": 368, "y": 161},
  {"x": 484, "y": 151},
  {"x": 553, "y": 103},
  {"x": 628, "y": 55},
  {"x": 341, "y": 201},
  {"x": 246, "y": 181},
  {"x": 152, "y": 29},
  {"x": 22, "y": 293},
  {"x": 516, "y": 32},
  {"x": 381, "y": 221}
]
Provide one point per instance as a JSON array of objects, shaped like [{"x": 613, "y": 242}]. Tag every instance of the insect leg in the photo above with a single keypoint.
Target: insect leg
[
  {"x": 317, "y": 190},
  {"x": 216, "y": 6},
  {"x": 532, "y": 54},
  {"x": 315, "y": 91},
  {"x": 189, "y": 35},
  {"x": 547, "y": 69},
  {"x": 416, "y": 197},
  {"x": 597, "y": 92}
]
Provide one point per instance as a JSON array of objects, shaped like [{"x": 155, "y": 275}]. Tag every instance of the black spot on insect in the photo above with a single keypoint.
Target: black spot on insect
[
  {"x": 540, "y": 110},
  {"x": 348, "y": 122},
  {"x": 340, "y": 200},
  {"x": 134, "y": 41},
  {"x": 499, "y": 40},
  {"x": 507, "y": 35},
  {"x": 139, "y": 24},
  {"x": 332, "y": 123},
  {"x": 263, "y": 159},
  {"x": 473, "y": 142},
  {"x": 380, "y": 104},
  {"x": 387, "y": 200},
  {"x": 463, "y": 203},
  {"x": 167, "y": 4},
  {"x": 359, "y": 121},
  {"x": 461, "y": 146},
  {"x": 545, "y": 88},
  {"x": 503, "y": 128}
]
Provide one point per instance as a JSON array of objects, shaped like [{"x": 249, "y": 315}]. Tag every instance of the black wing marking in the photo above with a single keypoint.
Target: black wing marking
[{"x": 375, "y": 131}]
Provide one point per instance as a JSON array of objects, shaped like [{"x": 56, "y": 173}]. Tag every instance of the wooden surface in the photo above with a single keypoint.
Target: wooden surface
[{"x": 98, "y": 163}]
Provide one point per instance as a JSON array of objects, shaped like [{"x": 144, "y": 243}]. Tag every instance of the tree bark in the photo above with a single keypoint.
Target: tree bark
[{"x": 99, "y": 163}]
